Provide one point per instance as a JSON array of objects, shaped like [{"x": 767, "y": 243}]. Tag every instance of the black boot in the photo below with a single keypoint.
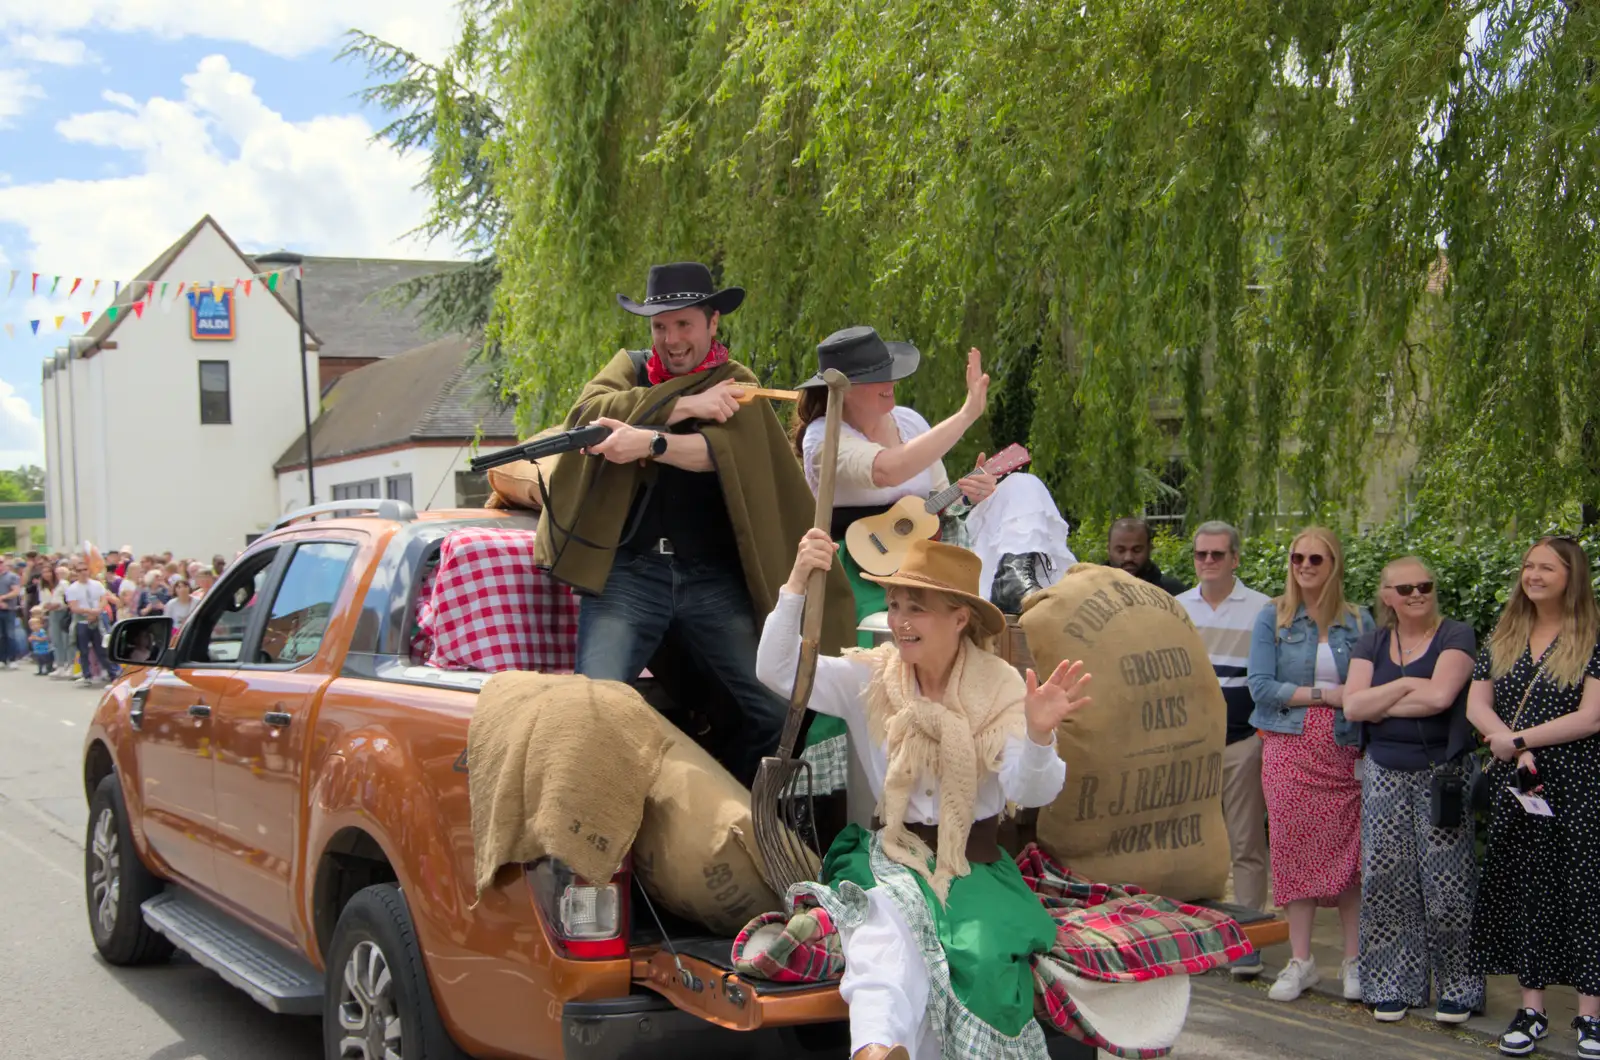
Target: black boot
[{"x": 1017, "y": 577}]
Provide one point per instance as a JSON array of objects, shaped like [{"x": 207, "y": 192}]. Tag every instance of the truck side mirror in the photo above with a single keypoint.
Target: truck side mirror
[{"x": 140, "y": 641}]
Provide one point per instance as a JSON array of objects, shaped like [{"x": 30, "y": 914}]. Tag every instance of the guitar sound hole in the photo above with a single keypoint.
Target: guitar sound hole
[{"x": 903, "y": 527}]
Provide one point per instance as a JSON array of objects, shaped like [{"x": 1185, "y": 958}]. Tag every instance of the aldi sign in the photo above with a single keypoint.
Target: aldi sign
[{"x": 211, "y": 315}]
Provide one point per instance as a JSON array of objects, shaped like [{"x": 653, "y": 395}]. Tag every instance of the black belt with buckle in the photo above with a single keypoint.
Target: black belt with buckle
[{"x": 662, "y": 546}]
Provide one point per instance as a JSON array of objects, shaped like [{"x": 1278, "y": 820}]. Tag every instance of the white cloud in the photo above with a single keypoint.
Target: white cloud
[
  {"x": 288, "y": 27},
  {"x": 16, "y": 90},
  {"x": 21, "y": 432},
  {"x": 319, "y": 186},
  {"x": 58, "y": 51}
]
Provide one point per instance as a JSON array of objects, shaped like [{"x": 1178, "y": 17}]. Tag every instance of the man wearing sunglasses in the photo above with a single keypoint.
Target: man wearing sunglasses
[{"x": 1224, "y": 610}]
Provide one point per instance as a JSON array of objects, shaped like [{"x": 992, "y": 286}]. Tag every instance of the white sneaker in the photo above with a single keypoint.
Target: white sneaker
[
  {"x": 1296, "y": 978},
  {"x": 82, "y": 682},
  {"x": 1350, "y": 972}
]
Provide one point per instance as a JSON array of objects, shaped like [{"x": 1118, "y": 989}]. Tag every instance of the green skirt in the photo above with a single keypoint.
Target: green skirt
[{"x": 978, "y": 945}]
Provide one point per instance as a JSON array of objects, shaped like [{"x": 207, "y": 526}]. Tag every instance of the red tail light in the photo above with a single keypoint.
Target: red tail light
[{"x": 585, "y": 921}]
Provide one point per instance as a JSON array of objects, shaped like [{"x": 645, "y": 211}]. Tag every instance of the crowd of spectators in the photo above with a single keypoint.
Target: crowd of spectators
[{"x": 58, "y": 608}]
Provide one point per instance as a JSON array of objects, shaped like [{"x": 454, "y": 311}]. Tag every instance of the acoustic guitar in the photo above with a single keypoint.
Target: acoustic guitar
[{"x": 878, "y": 543}]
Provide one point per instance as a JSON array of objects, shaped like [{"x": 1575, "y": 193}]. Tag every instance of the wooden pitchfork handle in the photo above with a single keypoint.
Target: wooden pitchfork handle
[
  {"x": 753, "y": 392},
  {"x": 817, "y": 583}
]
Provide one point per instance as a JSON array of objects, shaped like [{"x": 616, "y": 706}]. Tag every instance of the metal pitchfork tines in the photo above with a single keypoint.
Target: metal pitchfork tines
[{"x": 781, "y": 809}]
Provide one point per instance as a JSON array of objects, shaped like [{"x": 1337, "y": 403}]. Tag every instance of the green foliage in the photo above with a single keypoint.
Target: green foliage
[
  {"x": 1475, "y": 568},
  {"x": 23, "y": 484},
  {"x": 1210, "y": 230}
]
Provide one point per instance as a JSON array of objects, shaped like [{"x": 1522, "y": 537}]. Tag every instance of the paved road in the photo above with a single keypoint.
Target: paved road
[{"x": 58, "y": 1001}]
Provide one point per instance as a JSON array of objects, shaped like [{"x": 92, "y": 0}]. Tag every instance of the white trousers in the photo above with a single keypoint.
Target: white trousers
[
  {"x": 885, "y": 982},
  {"x": 1019, "y": 517}
]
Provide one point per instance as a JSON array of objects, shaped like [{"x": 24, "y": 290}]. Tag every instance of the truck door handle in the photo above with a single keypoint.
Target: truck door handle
[
  {"x": 277, "y": 718},
  {"x": 199, "y": 710}
]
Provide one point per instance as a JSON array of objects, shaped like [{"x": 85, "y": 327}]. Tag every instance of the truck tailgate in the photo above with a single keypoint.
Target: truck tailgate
[{"x": 699, "y": 979}]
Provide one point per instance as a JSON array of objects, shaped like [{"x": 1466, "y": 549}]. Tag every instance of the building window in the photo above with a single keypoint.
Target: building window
[
  {"x": 472, "y": 489},
  {"x": 350, "y": 491},
  {"x": 215, "y": 406},
  {"x": 398, "y": 488}
]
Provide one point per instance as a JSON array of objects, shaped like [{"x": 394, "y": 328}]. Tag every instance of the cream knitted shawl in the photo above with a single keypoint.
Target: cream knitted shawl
[{"x": 953, "y": 743}]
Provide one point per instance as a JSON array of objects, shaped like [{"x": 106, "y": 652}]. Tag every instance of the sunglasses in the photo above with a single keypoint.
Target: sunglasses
[
  {"x": 1420, "y": 587},
  {"x": 1215, "y": 555},
  {"x": 1300, "y": 559}
]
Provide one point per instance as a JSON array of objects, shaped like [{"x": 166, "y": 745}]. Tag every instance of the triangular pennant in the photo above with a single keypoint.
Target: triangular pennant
[
  {"x": 272, "y": 282},
  {"x": 247, "y": 288},
  {"x": 36, "y": 289},
  {"x": 87, "y": 313},
  {"x": 77, "y": 282},
  {"x": 54, "y": 285},
  {"x": 111, "y": 311},
  {"x": 116, "y": 288},
  {"x": 181, "y": 285},
  {"x": 95, "y": 289},
  {"x": 14, "y": 274},
  {"x": 59, "y": 322},
  {"x": 163, "y": 289},
  {"x": 35, "y": 325},
  {"x": 11, "y": 332},
  {"x": 138, "y": 310},
  {"x": 217, "y": 291}
]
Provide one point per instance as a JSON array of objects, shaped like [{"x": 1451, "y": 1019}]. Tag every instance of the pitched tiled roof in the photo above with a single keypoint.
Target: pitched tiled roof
[{"x": 431, "y": 393}]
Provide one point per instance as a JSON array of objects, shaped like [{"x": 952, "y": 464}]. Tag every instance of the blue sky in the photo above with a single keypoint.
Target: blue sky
[{"x": 122, "y": 122}]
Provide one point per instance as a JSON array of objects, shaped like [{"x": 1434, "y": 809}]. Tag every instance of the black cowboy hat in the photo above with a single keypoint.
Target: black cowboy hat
[
  {"x": 863, "y": 357},
  {"x": 681, "y": 285}
]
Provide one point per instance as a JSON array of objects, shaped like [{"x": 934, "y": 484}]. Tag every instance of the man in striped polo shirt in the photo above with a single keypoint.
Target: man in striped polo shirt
[{"x": 1224, "y": 610}]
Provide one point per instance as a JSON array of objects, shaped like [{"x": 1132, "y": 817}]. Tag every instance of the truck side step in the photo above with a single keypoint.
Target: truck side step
[{"x": 279, "y": 980}]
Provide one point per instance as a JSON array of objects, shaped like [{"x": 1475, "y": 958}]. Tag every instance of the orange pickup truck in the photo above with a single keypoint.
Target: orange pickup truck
[{"x": 281, "y": 792}]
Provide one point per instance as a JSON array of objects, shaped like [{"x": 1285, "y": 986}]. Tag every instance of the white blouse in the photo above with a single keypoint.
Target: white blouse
[
  {"x": 1327, "y": 674},
  {"x": 853, "y": 486},
  {"x": 1030, "y": 774}
]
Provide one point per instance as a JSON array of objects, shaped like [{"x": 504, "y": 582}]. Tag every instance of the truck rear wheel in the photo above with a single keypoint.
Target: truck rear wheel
[
  {"x": 116, "y": 883},
  {"x": 377, "y": 1003}
]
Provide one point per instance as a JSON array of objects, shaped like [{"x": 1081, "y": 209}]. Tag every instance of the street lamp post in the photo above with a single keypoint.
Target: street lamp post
[{"x": 284, "y": 257}]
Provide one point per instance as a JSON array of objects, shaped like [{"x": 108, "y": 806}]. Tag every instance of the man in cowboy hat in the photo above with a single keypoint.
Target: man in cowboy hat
[{"x": 683, "y": 520}]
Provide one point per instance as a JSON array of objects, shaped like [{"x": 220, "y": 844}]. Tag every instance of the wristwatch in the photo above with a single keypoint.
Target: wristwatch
[
  {"x": 1519, "y": 743},
  {"x": 1316, "y": 695},
  {"x": 658, "y": 444}
]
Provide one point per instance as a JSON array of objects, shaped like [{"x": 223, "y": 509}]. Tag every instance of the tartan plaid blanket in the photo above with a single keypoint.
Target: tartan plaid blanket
[
  {"x": 803, "y": 948},
  {"x": 1120, "y": 934}
]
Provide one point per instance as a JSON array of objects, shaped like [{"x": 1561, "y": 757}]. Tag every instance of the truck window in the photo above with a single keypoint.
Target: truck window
[
  {"x": 224, "y": 614},
  {"x": 304, "y": 602}
]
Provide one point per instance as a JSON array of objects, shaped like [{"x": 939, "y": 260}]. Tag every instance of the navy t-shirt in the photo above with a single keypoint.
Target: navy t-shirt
[{"x": 1413, "y": 744}]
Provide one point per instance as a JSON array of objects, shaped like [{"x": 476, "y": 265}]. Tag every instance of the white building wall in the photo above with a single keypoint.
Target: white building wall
[
  {"x": 432, "y": 470},
  {"x": 52, "y": 502},
  {"x": 149, "y": 473}
]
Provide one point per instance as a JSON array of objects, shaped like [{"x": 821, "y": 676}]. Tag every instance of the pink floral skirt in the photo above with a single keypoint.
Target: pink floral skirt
[{"x": 1313, "y": 812}]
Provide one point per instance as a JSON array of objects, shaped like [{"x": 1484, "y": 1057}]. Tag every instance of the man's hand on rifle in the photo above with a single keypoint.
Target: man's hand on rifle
[
  {"x": 714, "y": 403},
  {"x": 625, "y": 443}
]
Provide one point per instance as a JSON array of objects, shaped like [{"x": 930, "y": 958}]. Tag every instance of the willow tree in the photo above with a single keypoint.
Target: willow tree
[{"x": 1239, "y": 231}]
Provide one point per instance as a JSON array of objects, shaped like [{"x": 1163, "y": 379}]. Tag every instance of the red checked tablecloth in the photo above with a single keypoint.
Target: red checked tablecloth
[{"x": 492, "y": 609}]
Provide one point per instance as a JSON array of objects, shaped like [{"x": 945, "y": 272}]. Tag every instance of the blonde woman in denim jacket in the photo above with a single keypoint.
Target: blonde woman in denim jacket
[{"x": 1299, "y": 656}]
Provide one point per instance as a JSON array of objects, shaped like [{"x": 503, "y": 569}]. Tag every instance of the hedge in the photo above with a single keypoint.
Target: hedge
[{"x": 1475, "y": 568}]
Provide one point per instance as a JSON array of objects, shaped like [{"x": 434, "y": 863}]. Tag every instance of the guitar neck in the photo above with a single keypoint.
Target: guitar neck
[{"x": 938, "y": 502}]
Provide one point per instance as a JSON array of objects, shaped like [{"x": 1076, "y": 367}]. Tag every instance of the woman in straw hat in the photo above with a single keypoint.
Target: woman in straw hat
[{"x": 936, "y": 922}]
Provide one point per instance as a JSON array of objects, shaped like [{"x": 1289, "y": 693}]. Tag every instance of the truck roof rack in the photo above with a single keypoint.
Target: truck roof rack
[{"x": 386, "y": 508}]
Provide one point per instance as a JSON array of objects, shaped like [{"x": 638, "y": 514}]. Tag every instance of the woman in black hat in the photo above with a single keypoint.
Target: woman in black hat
[{"x": 888, "y": 451}]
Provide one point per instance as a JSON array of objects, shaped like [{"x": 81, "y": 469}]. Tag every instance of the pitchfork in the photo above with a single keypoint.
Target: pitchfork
[{"x": 785, "y": 781}]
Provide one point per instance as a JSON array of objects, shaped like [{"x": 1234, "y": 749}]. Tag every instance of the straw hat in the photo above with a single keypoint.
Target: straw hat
[{"x": 946, "y": 569}]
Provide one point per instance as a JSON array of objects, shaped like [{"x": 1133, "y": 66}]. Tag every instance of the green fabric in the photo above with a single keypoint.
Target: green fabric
[
  {"x": 870, "y": 600},
  {"x": 989, "y": 929},
  {"x": 870, "y": 597},
  {"x": 768, "y": 501}
]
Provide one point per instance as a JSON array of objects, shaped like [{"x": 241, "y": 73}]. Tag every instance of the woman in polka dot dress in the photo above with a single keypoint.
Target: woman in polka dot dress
[{"x": 1535, "y": 697}]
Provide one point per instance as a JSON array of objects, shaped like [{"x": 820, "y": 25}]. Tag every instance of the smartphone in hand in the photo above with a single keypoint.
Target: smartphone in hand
[{"x": 1527, "y": 780}]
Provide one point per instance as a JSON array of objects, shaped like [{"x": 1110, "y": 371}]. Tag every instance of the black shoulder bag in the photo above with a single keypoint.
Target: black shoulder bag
[{"x": 1449, "y": 782}]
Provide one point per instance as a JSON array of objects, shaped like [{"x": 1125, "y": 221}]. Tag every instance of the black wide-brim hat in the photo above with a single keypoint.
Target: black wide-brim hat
[
  {"x": 863, "y": 357},
  {"x": 681, "y": 285}
]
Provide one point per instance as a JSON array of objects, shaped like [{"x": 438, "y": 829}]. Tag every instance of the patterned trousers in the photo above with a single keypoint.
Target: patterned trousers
[{"x": 1418, "y": 884}]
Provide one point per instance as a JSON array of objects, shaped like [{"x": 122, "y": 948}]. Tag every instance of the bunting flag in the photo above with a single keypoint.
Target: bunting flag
[
  {"x": 116, "y": 288},
  {"x": 14, "y": 274},
  {"x": 111, "y": 311},
  {"x": 77, "y": 282},
  {"x": 11, "y": 332},
  {"x": 93, "y": 290},
  {"x": 163, "y": 291},
  {"x": 138, "y": 310},
  {"x": 35, "y": 325},
  {"x": 247, "y": 288},
  {"x": 271, "y": 281},
  {"x": 54, "y": 284},
  {"x": 87, "y": 313},
  {"x": 58, "y": 322},
  {"x": 36, "y": 287}
]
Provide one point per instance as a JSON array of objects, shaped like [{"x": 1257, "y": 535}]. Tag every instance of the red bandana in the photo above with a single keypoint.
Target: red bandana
[{"x": 657, "y": 369}]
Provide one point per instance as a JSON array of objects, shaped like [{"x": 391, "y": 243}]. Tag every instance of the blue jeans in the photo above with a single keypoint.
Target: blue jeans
[
  {"x": 12, "y": 646},
  {"x": 646, "y": 596},
  {"x": 91, "y": 647}
]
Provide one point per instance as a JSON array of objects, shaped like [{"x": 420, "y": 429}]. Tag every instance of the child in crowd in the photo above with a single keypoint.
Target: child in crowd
[{"x": 39, "y": 642}]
